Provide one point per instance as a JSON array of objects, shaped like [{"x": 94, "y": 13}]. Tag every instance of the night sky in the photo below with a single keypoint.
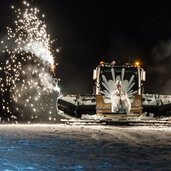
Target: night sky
[{"x": 90, "y": 31}]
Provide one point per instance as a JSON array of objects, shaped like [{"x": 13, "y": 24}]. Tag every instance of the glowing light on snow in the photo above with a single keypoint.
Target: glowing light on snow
[{"x": 30, "y": 66}]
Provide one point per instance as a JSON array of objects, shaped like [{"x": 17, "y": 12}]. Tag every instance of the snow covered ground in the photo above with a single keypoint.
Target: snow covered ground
[{"x": 64, "y": 147}]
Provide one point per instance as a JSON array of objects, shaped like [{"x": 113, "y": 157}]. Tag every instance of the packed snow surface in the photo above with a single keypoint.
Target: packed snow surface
[{"x": 71, "y": 147}]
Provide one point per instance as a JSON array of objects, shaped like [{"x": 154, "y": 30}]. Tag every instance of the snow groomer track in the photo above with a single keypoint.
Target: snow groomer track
[{"x": 152, "y": 122}]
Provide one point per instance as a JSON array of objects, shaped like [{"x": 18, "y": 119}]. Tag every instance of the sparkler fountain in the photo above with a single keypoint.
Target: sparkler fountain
[{"x": 28, "y": 82}]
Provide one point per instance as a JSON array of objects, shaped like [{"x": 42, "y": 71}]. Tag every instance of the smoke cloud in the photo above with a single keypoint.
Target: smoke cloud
[
  {"x": 162, "y": 51},
  {"x": 162, "y": 67},
  {"x": 40, "y": 51}
]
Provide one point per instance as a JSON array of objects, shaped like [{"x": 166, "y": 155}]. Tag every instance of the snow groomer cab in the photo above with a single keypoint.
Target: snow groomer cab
[{"x": 118, "y": 88}]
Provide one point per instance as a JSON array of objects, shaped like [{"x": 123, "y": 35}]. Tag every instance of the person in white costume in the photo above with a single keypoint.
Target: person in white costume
[{"x": 120, "y": 101}]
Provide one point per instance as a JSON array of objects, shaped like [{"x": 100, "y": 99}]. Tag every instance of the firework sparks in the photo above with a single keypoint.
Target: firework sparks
[{"x": 28, "y": 80}]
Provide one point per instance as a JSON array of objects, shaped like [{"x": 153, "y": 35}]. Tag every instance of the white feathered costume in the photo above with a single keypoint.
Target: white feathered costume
[{"x": 120, "y": 101}]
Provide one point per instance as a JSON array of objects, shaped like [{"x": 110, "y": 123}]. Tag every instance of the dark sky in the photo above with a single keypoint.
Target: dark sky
[{"x": 91, "y": 31}]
